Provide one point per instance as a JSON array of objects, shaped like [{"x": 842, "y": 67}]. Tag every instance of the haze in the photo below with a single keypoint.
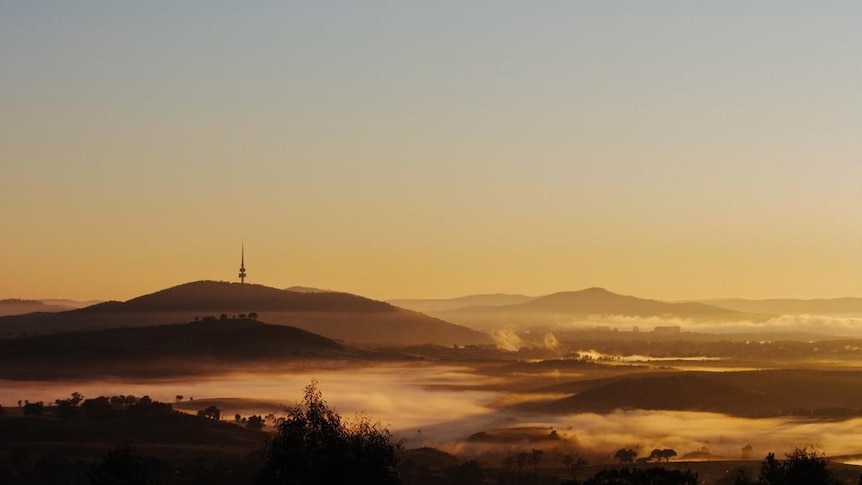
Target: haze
[
  {"x": 589, "y": 231},
  {"x": 671, "y": 151}
]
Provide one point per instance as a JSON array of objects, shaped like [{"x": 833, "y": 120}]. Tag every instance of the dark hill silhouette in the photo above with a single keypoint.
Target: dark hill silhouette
[
  {"x": 565, "y": 306},
  {"x": 749, "y": 393},
  {"x": 335, "y": 315},
  {"x": 241, "y": 297},
  {"x": 191, "y": 347}
]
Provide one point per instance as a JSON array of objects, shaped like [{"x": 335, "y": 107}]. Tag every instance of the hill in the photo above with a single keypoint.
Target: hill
[
  {"x": 748, "y": 393},
  {"x": 426, "y": 305},
  {"x": 341, "y": 316},
  {"x": 173, "y": 447},
  {"x": 568, "y": 306},
  {"x": 21, "y": 307},
  {"x": 189, "y": 348},
  {"x": 778, "y": 306}
]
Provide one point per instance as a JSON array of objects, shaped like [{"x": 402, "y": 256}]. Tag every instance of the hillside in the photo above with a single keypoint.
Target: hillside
[
  {"x": 570, "y": 306},
  {"x": 426, "y": 305},
  {"x": 749, "y": 393},
  {"x": 163, "y": 349},
  {"x": 341, "y": 316}
]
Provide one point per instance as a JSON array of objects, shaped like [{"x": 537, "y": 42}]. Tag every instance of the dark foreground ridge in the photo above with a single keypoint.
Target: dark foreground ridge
[{"x": 209, "y": 345}]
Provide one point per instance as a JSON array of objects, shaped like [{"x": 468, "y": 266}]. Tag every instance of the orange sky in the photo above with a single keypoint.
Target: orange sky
[{"x": 410, "y": 150}]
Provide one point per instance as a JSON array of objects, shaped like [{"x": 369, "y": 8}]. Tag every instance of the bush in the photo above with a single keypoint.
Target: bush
[
  {"x": 120, "y": 466},
  {"x": 643, "y": 476},
  {"x": 313, "y": 445},
  {"x": 33, "y": 408},
  {"x": 802, "y": 466}
]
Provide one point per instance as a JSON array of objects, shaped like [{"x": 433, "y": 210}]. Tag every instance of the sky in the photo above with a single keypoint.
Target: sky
[{"x": 665, "y": 149}]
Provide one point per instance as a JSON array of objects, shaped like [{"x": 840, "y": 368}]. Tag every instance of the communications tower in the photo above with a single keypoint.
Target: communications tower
[{"x": 242, "y": 264}]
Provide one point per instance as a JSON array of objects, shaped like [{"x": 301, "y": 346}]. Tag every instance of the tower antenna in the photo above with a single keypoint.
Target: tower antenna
[{"x": 242, "y": 264}]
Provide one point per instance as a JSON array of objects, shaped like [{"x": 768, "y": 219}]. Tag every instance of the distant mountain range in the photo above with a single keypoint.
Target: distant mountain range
[
  {"x": 849, "y": 307},
  {"x": 573, "y": 306},
  {"x": 16, "y": 306},
  {"x": 340, "y": 316},
  {"x": 426, "y": 305}
]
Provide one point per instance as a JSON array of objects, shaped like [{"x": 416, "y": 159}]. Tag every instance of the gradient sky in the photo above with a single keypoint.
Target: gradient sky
[{"x": 666, "y": 149}]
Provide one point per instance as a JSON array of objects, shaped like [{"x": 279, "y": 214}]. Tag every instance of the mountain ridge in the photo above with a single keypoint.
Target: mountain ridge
[
  {"x": 564, "y": 306},
  {"x": 340, "y": 316},
  {"x": 842, "y": 306}
]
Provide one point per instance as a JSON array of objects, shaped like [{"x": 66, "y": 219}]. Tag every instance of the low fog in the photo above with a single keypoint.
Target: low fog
[
  {"x": 815, "y": 324},
  {"x": 428, "y": 405}
]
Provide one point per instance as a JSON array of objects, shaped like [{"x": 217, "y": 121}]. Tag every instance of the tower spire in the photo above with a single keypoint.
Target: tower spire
[{"x": 242, "y": 264}]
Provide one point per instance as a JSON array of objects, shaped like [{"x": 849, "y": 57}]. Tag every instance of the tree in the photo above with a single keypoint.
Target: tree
[
  {"x": 66, "y": 409},
  {"x": 254, "y": 422},
  {"x": 802, "y": 466},
  {"x": 312, "y": 445},
  {"x": 574, "y": 463},
  {"x": 210, "y": 412},
  {"x": 99, "y": 407},
  {"x": 665, "y": 454},
  {"x": 33, "y": 408},
  {"x": 252, "y": 315},
  {"x": 120, "y": 466},
  {"x": 624, "y": 455}
]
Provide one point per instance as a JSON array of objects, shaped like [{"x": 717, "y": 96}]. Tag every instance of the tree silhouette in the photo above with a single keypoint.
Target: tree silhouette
[
  {"x": 65, "y": 409},
  {"x": 210, "y": 412},
  {"x": 665, "y": 454},
  {"x": 624, "y": 455},
  {"x": 120, "y": 466},
  {"x": 254, "y": 422},
  {"x": 313, "y": 445},
  {"x": 803, "y": 466},
  {"x": 33, "y": 408},
  {"x": 535, "y": 458}
]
